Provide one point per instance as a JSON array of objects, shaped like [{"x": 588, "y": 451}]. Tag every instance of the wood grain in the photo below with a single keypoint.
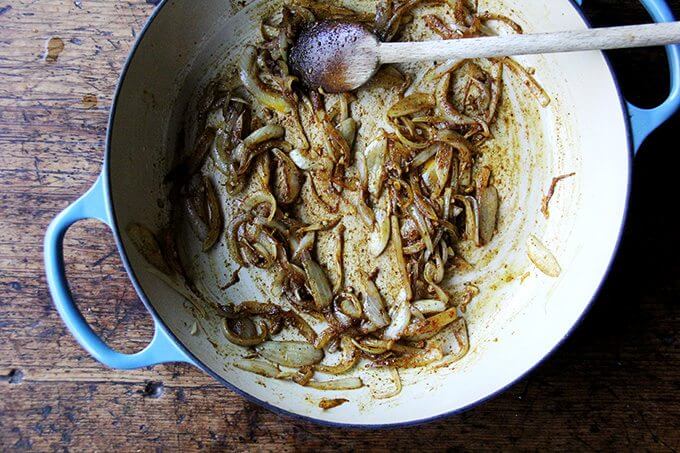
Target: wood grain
[{"x": 613, "y": 385}]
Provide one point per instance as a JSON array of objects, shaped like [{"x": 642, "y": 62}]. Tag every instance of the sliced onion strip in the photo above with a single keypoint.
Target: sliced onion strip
[
  {"x": 350, "y": 357},
  {"x": 250, "y": 79},
  {"x": 348, "y": 383},
  {"x": 399, "y": 251},
  {"x": 318, "y": 282},
  {"x": 431, "y": 326},
  {"x": 396, "y": 379},
  {"x": 417, "y": 360},
  {"x": 258, "y": 198},
  {"x": 542, "y": 257},
  {"x": 294, "y": 354},
  {"x": 413, "y": 103},
  {"x": 234, "y": 338},
  {"x": 429, "y": 306},
  {"x": 381, "y": 233},
  {"x": 401, "y": 316},
  {"x": 373, "y": 305}
]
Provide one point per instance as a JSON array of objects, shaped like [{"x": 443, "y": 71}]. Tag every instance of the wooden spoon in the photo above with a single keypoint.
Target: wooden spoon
[{"x": 341, "y": 56}]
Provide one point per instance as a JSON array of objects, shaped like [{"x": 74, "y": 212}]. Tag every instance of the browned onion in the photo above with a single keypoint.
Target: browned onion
[
  {"x": 431, "y": 326},
  {"x": 488, "y": 211},
  {"x": 350, "y": 357},
  {"x": 268, "y": 134},
  {"x": 237, "y": 339},
  {"x": 543, "y": 258},
  {"x": 411, "y": 104},
  {"x": 373, "y": 305},
  {"x": 381, "y": 234},
  {"x": 250, "y": 78},
  {"x": 326, "y": 404},
  {"x": 397, "y": 386},
  {"x": 416, "y": 360},
  {"x": 401, "y": 316},
  {"x": 348, "y": 383},
  {"x": 298, "y": 322},
  {"x": 338, "y": 259},
  {"x": 147, "y": 244},
  {"x": 347, "y": 307},
  {"x": 214, "y": 215},
  {"x": 287, "y": 178},
  {"x": 318, "y": 282},
  {"x": 294, "y": 354}
]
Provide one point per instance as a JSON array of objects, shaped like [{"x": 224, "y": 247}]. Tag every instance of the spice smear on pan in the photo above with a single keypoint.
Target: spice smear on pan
[{"x": 357, "y": 218}]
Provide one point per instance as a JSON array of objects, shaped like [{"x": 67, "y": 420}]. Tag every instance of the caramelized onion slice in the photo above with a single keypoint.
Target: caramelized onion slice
[
  {"x": 232, "y": 238},
  {"x": 416, "y": 360},
  {"x": 258, "y": 198},
  {"x": 349, "y": 383},
  {"x": 261, "y": 367},
  {"x": 399, "y": 251},
  {"x": 350, "y": 357},
  {"x": 454, "y": 341},
  {"x": 326, "y": 404},
  {"x": 366, "y": 214},
  {"x": 239, "y": 340},
  {"x": 306, "y": 162},
  {"x": 191, "y": 211},
  {"x": 442, "y": 69},
  {"x": 446, "y": 108},
  {"x": 429, "y": 306},
  {"x": 422, "y": 226},
  {"x": 294, "y": 354},
  {"x": 287, "y": 179},
  {"x": 422, "y": 330},
  {"x": 544, "y": 260},
  {"x": 319, "y": 285},
  {"x": 436, "y": 171},
  {"x": 457, "y": 142},
  {"x": 348, "y": 130},
  {"x": 262, "y": 93},
  {"x": 301, "y": 325},
  {"x": 471, "y": 218},
  {"x": 375, "y": 154},
  {"x": 147, "y": 245},
  {"x": 381, "y": 233},
  {"x": 373, "y": 305},
  {"x": 348, "y": 304},
  {"x": 425, "y": 155},
  {"x": 534, "y": 87},
  {"x": 263, "y": 134},
  {"x": 299, "y": 247},
  {"x": 373, "y": 346},
  {"x": 338, "y": 261},
  {"x": 215, "y": 219},
  {"x": 413, "y": 103},
  {"x": 401, "y": 316},
  {"x": 488, "y": 212},
  {"x": 429, "y": 274},
  {"x": 396, "y": 379}
]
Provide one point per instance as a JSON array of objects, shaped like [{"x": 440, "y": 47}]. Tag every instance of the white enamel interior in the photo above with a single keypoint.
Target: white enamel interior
[{"x": 515, "y": 324}]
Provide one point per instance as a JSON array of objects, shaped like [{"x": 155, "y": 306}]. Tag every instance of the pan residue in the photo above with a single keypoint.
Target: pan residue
[{"x": 353, "y": 213}]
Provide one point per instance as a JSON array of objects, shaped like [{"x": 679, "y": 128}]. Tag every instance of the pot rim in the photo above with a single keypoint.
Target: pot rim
[{"x": 106, "y": 177}]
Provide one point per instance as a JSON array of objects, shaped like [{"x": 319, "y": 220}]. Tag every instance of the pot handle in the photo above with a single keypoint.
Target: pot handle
[
  {"x": 644, "y": 121},
  {"x": 92, "y": 205}
]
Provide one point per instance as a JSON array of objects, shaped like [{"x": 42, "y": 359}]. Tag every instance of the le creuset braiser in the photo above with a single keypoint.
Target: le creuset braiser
[{"x": 588, "y": 128}]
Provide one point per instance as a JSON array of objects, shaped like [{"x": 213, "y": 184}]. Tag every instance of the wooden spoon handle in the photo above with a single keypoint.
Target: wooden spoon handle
[{"x": 503, "y": 46}]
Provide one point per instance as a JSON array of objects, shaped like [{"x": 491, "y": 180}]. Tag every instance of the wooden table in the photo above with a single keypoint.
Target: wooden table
[{"x": 615, "y": 384}]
